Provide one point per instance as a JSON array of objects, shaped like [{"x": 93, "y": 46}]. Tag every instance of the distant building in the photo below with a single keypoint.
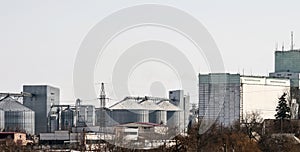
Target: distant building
[
  {"x": 150, "y": 110},
  {"x": 102, "y": 117},
  {"x": 287, "y": 65},
  {"x": 183, "y": 102},
  {"x": 86, "y": 115},
  {"x": 142, "y": 130},
  {"x": 228, "y": 97},
  {"x": 219, "y": 97},
  {"x": 43, "y": 96},
  {"x": 294, "y": 77},
  {"x": 16, "y": 138},
  {"x": 287, "y": 61},
  {"x": 261, "y": 94},
  {"x": 17, "y": 117}
]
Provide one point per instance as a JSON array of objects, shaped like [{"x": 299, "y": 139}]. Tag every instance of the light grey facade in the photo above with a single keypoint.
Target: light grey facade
[
  {"x": 87, "y": 115},
  {"x": 182, "y": 101},
  {"x": 219, "y": 97},
  {"x": 43, "y": 96},
  {"x": 294, "y": 77}
]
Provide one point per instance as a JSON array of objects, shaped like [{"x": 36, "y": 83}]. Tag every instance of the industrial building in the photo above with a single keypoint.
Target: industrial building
[
  {"x": 287, "y": 61},
  {"x": 153, "y": 110},
  {"x": 17, "y": 117},
  {"x": 43, "y": 96},
  {"x": 130, "y": 110},
  {"x": 130, "y": 133},
  {"x": 287, "y": 65},
  {"x": 102, "y": 117},
  {"x": 16, "y": 138},
  {"x": 228, "y": 97},
  {"x": 261, "y": 94},
  {"x": 86, "y": 115},
  {"x": 182, "y": 101},
  {"x": 41, "y": 102},
  {"x": 219, "y": 97}
]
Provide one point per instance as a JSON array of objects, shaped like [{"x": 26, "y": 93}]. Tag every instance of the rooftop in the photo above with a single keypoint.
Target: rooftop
[{"x": 10, "y": 104}]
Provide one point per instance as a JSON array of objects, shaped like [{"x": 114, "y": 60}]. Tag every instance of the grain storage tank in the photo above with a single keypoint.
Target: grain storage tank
[
  {"x": 153, "y": 110},
  {"x": 127, "y": 111},
  {"x": 67, "y": 119},
  {"x": 170, "y": 114},
  {"x": 17, "y": 117},
  {"x": 1, "y": 120}
]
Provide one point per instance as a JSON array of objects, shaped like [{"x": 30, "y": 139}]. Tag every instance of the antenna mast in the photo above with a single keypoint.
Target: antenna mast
[
  {"x": 102, "y": 96},
  {"x": 292, "y": 41}
]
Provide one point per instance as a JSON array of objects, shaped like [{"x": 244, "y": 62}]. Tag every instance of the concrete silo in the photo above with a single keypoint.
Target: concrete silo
[
  {"x": 67, "y": 119},
  {"x": 129, "y": 110},
  {"x": 172, "y": 114}
]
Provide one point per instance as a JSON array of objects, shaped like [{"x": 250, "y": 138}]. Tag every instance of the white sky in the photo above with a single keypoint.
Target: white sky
[{"x": 39, "y": 40}]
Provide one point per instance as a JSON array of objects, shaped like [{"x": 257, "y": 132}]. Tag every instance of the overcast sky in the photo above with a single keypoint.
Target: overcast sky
[{"x": 39, "y": 39}]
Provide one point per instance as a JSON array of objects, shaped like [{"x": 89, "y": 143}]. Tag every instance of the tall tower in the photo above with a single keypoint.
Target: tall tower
[
  {"x": 182, "y": 101},
  {"x": 43, "y": 97},
  {"x": 101, "y": 111},
  {"x": 102, "y": 96}
]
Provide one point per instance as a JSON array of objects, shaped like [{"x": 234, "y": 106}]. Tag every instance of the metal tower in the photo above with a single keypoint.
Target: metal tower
[{"x": 102, "y": 96}]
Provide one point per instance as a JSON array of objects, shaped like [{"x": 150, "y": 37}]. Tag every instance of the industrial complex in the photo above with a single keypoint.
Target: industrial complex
[
  {"x": 40, "y": 115},
  {"x": 146, "y": 121}
]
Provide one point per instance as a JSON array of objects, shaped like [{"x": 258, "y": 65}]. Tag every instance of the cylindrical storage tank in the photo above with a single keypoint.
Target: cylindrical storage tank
[
  {"x": 123, "y": 116},
  {"x": 161, "y": 117},
  {"x": 19, "y": 121},
  {"x": 173, "y": 119},
  {"x": 142, "y": 115},
  {"x": 1, "y": 120},
  {"x": 53, "y": 125},
  {"x": 67, "y": 119},
  {"x": 17, "y": 117},
  {"x": 158, "y": 117}
]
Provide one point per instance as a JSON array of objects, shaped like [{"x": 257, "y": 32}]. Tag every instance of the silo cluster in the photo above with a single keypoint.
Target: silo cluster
[{"x": 159, "y": 111}]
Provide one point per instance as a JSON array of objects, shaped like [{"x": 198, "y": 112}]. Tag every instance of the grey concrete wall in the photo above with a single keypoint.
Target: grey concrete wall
[
  {"x": 287, "y": 61},
  {"x": 43, "y": 97}
]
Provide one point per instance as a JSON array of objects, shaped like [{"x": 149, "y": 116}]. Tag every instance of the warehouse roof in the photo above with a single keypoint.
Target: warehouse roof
[
  {"x": 127, "y": 104},
  {"x": 131, "y": 103},
  {"x": 166, "y": 105},
  {"x": 10, "y": 104},
  {"x": 150, "y": 105}
]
